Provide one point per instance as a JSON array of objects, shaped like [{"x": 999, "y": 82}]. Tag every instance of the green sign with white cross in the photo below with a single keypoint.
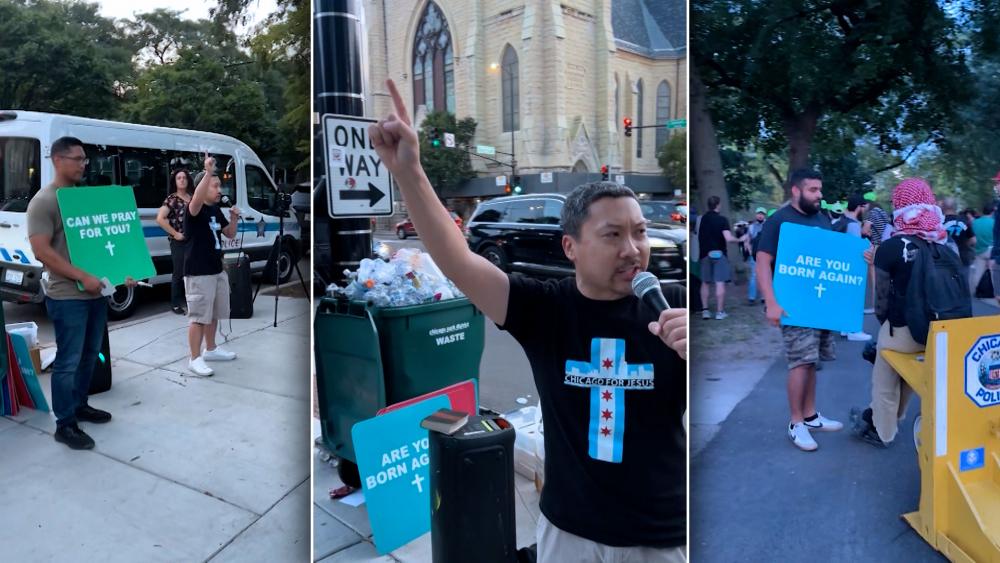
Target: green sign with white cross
[{"x": 104, "y": 234}]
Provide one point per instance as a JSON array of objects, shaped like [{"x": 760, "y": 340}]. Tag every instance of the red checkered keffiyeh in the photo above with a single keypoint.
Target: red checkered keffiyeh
[{"x": 916, "y": 212}]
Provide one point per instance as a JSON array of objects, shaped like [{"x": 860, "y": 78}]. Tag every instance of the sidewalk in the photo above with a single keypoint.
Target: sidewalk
[
  {"x": 343, "y": 534},
  {"x": 189, "y": 469}
]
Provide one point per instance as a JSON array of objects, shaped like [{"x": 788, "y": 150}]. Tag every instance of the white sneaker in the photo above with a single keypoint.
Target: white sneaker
[
  {"x": 218, "y": 355},
  {"x": 824, "y": 424},
  {"x": 859, "y": 337},
  {"x": 706, "y": 314},
  {"x": 799, "y": 435},
  {"x": 721, "y": 315},
  {"x": 198, "y": 367}
]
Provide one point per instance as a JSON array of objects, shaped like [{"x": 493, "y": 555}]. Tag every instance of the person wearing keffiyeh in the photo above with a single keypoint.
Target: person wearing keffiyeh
[{"x": 915, "y": 216}]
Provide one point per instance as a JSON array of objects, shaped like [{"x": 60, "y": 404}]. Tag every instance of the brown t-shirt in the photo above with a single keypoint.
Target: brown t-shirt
[{"x": 44, "y": 218}]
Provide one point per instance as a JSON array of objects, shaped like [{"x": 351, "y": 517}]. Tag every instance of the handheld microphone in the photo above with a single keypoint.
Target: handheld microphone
[{"x": 646, "y": 287}]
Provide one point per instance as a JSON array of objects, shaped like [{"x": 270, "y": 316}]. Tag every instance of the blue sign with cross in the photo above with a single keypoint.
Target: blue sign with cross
[
  {"x": 820, "y": 278},
  {"x": 609, "y": 377},
  {"x": 393, "y": 461}
]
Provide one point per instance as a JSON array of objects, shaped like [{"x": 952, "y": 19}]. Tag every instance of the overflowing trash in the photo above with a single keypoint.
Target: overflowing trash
[{"x": 408, "y": 277}]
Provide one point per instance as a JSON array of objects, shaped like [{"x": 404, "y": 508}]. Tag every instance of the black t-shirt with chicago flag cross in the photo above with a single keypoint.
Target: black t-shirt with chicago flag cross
[
  {"x": 203, "y": 255},
  {"x": 612, "y": 397}
]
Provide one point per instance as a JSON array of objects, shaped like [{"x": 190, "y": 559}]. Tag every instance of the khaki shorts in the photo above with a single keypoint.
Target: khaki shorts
[
  {"x": 805, "y": 346},
  {"x": 559, "y": 546},
  {"x": 207, "y": 297}
]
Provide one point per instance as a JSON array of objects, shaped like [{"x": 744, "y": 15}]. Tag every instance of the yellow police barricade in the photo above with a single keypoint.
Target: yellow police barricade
[{"x": 958, "y": 440}]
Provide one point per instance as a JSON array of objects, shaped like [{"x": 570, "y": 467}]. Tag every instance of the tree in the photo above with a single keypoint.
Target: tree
[
  {"x": 61, "y": 57},
  {"x": 783, "y": 71},
  {"x": 446, "y": 168},
  {"x": 160, "y": 34},
  {"x": 197, "y": 92},
  {"x": 673, "y": 159}
]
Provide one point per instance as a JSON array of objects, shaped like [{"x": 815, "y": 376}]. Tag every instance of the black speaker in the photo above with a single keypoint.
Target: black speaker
[
  {"x": 100, "y": 380},
  {"x": 472, "y": 493},
  {"x": 240, "y": 292}
]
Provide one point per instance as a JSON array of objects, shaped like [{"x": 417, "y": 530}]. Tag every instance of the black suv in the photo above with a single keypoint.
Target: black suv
[{"x": 522, "y": 233}]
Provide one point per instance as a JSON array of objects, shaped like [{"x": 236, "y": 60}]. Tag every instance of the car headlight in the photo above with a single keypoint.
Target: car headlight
[{"x": 661, "y": 243}]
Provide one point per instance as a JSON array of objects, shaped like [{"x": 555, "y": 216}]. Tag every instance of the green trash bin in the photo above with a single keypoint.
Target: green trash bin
[{"x": 369, "y": 357}]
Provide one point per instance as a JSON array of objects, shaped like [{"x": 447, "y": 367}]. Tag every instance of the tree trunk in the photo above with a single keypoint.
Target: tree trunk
[
  {"x": 799, "y": 130},
  {"x": 705, "y": 158}
]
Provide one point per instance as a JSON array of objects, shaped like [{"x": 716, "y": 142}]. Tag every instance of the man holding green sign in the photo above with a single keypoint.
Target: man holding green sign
[{"x": 73, "y": 298}]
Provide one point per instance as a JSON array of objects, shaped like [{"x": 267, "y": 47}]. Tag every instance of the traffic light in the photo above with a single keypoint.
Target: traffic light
[
  {"x": 435, "y": 136},
  {"x": 517, "y": 184},
  {"x": 604, "y": 173},
  {"x": 628, "y": 126},
  {"x": 506, "y": 189}
]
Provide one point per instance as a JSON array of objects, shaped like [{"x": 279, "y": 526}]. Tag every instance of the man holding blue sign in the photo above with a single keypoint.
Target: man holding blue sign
[{"x": 804, "y": 346}]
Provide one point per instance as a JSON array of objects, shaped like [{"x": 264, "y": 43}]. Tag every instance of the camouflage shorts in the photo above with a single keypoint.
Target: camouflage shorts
[{"x": 807, "y": 345}]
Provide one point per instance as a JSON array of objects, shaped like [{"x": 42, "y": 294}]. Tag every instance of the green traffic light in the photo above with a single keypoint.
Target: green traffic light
[
  {"x": 436, "y": 143},
  {"x": 517, "y": 189}
]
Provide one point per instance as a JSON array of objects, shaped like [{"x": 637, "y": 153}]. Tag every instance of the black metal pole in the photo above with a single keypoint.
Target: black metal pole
[{"x": 338, "y": 74}]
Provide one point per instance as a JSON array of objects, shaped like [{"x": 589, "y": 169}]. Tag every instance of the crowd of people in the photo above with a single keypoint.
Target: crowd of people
[{"x": 919, "y": 223}]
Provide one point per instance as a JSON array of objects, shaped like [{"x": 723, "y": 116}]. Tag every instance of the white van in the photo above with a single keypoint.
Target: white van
[{"x": 140, "y": 156}]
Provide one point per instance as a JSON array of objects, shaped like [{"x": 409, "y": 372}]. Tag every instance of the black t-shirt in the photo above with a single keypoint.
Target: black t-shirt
[
  {"x": 203, "y": 255},
  {"x": 894, "y": 260},
  {"x": 618, "y": 485},
  {"x": 710, "y": 235},
  {"x": 960, "y": 231},
  {"x": 787, "y": 214}
]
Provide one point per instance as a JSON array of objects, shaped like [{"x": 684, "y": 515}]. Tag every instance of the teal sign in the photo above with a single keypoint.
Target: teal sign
[
  {"x": 676, "y": 123},
  {"x": 820, "y": 278},
  {"x": 394, "y": 464},
  {"x": 104, "y": 233}
]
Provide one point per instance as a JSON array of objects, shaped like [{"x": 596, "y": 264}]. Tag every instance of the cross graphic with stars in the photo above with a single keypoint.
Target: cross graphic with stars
[{"x": 608, "y": 376}]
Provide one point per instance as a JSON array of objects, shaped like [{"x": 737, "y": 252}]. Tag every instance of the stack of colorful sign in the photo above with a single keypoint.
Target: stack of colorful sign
[{"x": 19, "y": 386}]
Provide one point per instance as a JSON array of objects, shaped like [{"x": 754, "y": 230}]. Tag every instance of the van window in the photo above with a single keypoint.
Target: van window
[
  {"x": 260, "y": 192},
  {"x": 195, "y": 163},
  {"x": 101, "y": 168},
  {"x": 20, "y": 172},
  {"x": 147, "y": 171}
]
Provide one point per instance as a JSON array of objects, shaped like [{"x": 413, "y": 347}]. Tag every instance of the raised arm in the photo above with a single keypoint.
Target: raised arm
[
  {"x": 200, "y": 196},
  {"x": 397, "y": 145}
]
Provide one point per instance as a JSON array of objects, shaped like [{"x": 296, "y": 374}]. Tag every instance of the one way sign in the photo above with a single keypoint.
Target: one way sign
[{"x": 358, "y": 184}]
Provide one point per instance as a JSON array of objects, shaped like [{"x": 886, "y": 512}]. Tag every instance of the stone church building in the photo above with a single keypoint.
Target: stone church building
[{"x": 555, "y": 79}]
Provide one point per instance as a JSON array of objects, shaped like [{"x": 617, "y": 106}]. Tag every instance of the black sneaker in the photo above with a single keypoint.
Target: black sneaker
[
  {"x": 87, "y": 413},
  {"x": 72, "y": 436},
  {"x": 179, "y": 310},
  {"x": 864, "y": 429}
]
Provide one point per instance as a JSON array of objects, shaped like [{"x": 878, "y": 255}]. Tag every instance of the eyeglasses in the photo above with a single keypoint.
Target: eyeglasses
[{"x": 79, "y": 159}]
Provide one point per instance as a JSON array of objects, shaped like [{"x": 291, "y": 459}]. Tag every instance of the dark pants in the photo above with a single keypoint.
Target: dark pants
[
  {"x": 177, "y": 298},
  {"x": 79, "y": 326}
]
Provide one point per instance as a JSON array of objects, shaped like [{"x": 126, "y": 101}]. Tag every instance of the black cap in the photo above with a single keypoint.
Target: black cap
[{"x": 856, "y": 201}]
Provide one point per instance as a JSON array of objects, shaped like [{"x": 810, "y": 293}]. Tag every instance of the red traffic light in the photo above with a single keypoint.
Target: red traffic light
[
  {"x": 628, "y": 121},
  {"x": 628, "y": 126}
]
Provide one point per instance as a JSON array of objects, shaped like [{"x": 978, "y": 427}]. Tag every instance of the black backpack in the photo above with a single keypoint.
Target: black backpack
[{"x": 937, "y": 291}]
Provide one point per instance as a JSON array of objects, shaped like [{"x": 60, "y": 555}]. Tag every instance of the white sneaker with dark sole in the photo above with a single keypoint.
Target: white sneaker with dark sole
[
  {"x": 823, "y": 424},
  {"x": 799, "y": 435},
  {"x": 706, "y": 314}
]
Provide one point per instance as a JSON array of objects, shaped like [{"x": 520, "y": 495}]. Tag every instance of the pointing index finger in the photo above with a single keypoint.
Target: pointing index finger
[{"x": 397, "y": 101}]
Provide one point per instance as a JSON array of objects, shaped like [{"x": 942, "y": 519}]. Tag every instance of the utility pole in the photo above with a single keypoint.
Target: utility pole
[{"x": 339, "y": 75}]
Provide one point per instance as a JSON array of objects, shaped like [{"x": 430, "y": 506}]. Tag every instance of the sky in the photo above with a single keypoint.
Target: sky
[{"x": 192, "y": 9}]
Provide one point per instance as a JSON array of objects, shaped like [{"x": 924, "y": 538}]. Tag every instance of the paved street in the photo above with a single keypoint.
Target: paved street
[
  {"x": 755, "y": 497},
  {"x": 190, "y": 469}
]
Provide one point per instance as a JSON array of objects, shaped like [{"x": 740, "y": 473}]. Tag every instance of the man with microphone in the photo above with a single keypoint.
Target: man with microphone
[
  {"x": 205, "y": 282},
  {"x": 610, "y": 370}
]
